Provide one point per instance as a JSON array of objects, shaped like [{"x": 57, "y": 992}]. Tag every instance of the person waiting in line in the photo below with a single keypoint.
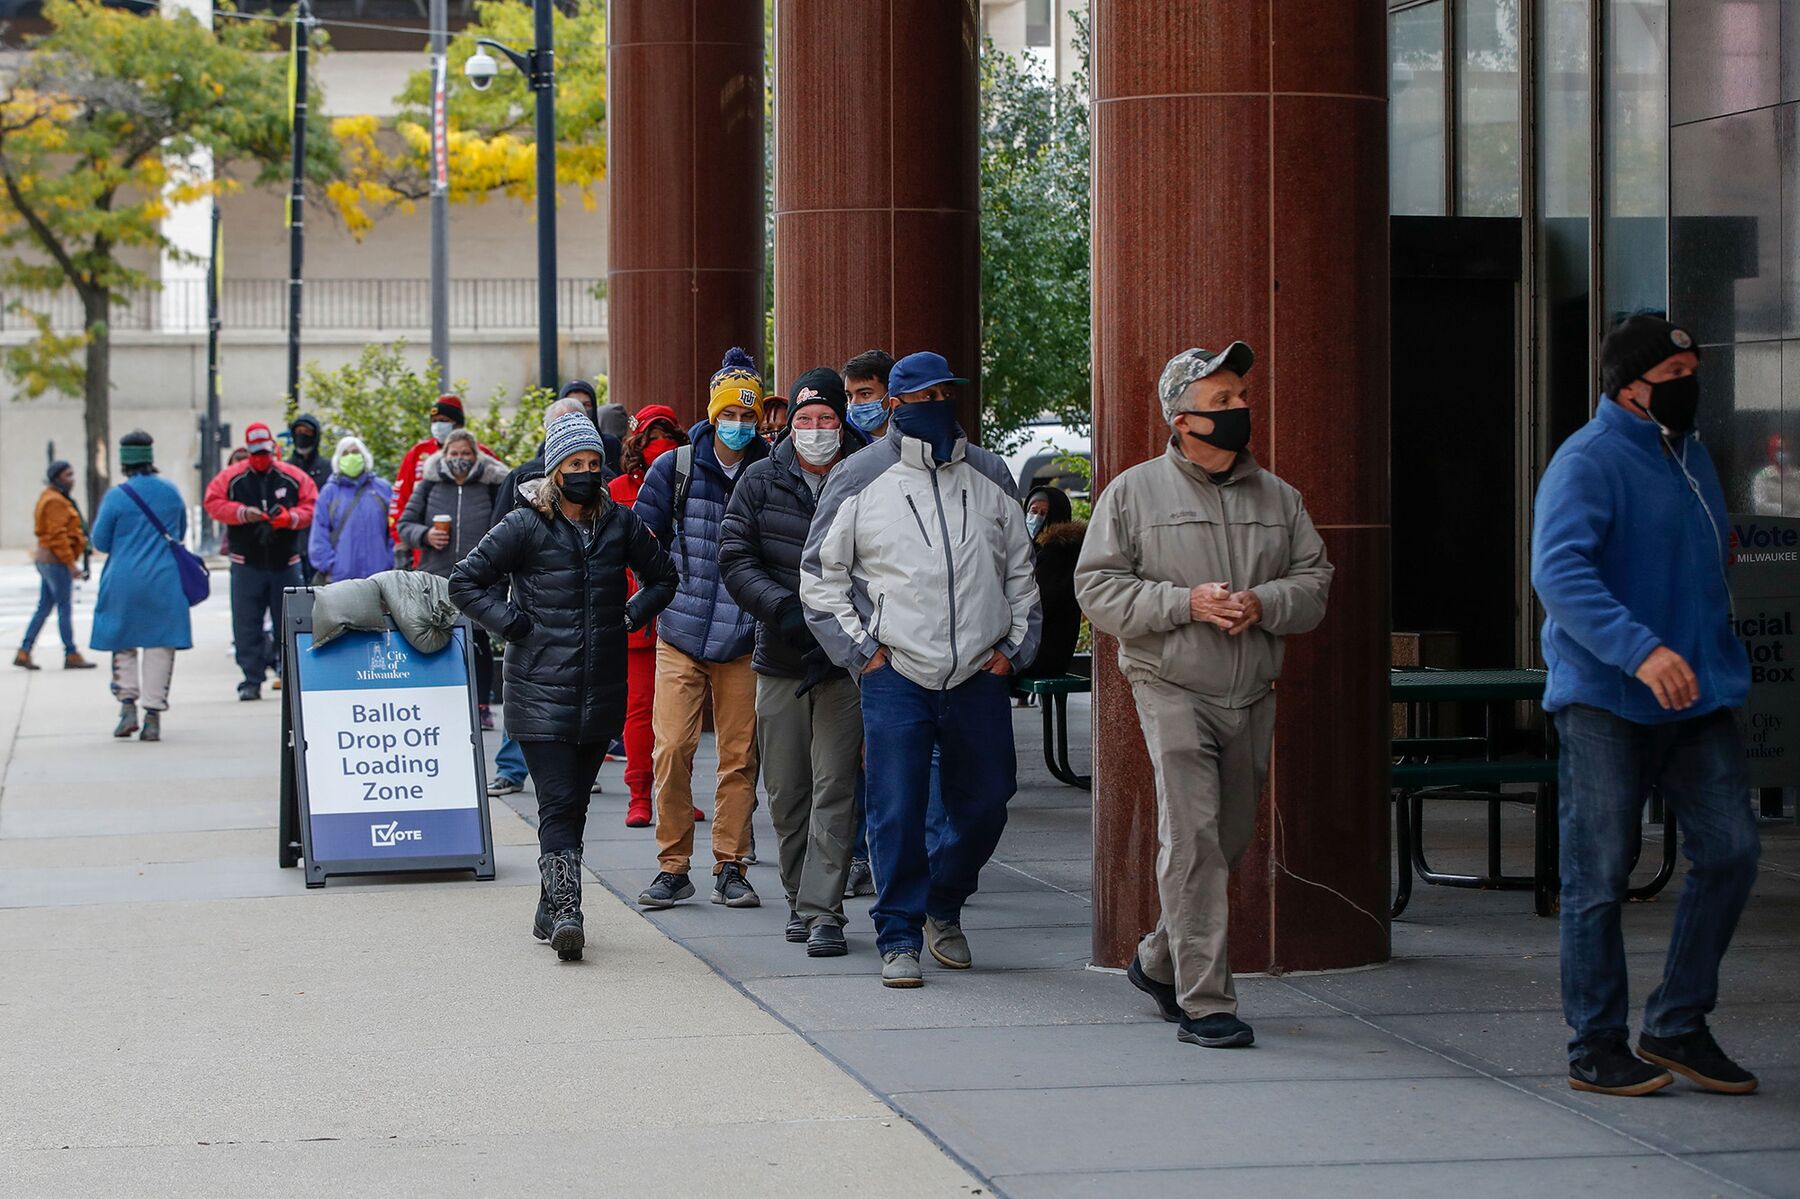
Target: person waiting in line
[
  {"x": 704, "y": 640},
  {"x": 303, "y": 434},
  {"x": 1057, "y": 536},
  {"x": 551, "y": 579},
  {"x": 141, "y": 615},
  {"x": 1200, "y": 562},
  {"x": 655, "y": 431},
  {"x": 264, "y": 504},
  {"x": 774, "y": 423},
  {"x": 60, "y": 543},
  {"x": 350, "y": 525},
  {"x": 446, "y": 418},
  {"x": 1629, "y": 558},
  {"x": 450, "y": 511},
  {"x": 917, "y": 578},
  {"x": 808, "y": 712}
]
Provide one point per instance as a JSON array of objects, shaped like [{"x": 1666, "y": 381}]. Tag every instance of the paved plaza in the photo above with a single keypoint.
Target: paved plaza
[{"x": 182, "y": 1017}]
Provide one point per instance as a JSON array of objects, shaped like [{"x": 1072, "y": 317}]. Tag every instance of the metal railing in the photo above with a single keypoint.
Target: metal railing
[{"x": 373, "y": 305}]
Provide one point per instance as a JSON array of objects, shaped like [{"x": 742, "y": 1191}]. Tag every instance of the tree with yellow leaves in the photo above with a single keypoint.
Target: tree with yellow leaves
[
  {"x": 490, "y": 132},
  {"x": 97, "y": 133}
]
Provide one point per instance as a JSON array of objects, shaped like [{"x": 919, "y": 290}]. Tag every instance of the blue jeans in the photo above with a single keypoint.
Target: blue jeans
[
  {"x": 1608, "y": 768},
  {"x": 510, "y": 760},
  {"x": 936, "y": 827},
  {"x": 970, "y": 727},
  {"x": 56, "y": 588}
]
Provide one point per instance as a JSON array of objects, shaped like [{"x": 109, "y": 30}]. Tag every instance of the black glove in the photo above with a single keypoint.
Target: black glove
[
  {"x": 518, "y": 629},
  {"x": 793, "y": 631}
]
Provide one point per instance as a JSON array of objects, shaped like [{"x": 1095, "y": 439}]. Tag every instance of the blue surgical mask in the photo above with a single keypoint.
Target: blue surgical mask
[
  {"x": 735, "y": 434},
  {"x": 933, "y": 422},
  {"x": 868, "y": 416}
]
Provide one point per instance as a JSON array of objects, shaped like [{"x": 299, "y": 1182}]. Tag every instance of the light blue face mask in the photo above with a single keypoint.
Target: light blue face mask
[
  {"x": 868, "y": 416},
  {"x": 735, "y": 435}
]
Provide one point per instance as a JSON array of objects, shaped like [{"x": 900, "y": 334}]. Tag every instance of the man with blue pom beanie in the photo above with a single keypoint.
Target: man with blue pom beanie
[
  {"x": 704, "y": 640},
  {"x": 1646, "y": 674}
]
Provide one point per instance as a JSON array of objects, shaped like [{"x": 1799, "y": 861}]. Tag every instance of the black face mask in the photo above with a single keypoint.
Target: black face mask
[
  {"x": 1674, "y": 404},
  {"x": 582, "y": 489},
  {"x": 304, "y": 441},
  {"x": 1231, "y": 429}
]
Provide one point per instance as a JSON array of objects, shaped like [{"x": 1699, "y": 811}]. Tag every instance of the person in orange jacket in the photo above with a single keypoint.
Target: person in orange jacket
[
  {"x": 446, "y": 418},
  {"x": 263, "y": 503},
  {"x": 61, "y": 540}
]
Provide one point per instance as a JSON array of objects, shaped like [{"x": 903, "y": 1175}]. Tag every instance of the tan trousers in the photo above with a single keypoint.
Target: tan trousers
[
  {"x": 681, "y": 684},
  {"x": 148, "y": 684},
  {"x": 1210, "y": 765}
]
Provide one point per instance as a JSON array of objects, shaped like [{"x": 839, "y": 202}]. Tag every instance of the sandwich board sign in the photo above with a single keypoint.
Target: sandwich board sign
[{"x": 385, "y": 759}]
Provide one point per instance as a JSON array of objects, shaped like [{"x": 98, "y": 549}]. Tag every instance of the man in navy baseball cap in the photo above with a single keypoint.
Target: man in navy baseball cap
[{"x": 923, "y": 408}]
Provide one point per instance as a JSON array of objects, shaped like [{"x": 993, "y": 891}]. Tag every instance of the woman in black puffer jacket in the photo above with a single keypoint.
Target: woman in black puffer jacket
[{"x": 564, "y": 557}]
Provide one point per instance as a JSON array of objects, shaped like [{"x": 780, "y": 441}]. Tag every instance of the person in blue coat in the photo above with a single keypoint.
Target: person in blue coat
[
  {"x": 350, "y": 538},
  {"x": 141, "y": 615},
  {"x": 703, "y": 639}
]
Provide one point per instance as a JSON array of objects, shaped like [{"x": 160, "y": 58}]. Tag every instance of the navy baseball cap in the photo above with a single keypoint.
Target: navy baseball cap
[{"x": 916, "y": 372}]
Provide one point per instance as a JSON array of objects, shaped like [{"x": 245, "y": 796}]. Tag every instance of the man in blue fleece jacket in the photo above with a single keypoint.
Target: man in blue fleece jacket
[{"x": 1646, "y": 674}]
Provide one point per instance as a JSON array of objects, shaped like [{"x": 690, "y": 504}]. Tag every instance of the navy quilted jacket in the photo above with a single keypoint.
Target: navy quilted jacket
[{"x": 704, "y": 622}]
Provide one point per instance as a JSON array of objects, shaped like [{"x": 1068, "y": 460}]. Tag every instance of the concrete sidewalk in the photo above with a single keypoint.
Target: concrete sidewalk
[{"x": 181, "y": 1017}]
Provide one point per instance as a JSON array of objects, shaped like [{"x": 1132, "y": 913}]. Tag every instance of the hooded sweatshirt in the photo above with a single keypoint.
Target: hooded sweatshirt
[{"x": 350, "y": 538}]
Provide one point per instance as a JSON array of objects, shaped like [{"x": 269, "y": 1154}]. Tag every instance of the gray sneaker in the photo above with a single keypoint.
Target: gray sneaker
[
  {"x": 732, "y": 889},
  {"x": 861, "y": 880},
  {"x": 900, "y": 968},
  {"x": 948, "y": 945},
  {"x": 503, "y": 786},
  {"x": 666, "y": 891}
]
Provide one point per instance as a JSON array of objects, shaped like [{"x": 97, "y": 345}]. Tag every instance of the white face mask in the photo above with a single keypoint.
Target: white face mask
[
  {"x": 818, "y": 446},
  {"x": 441, "y": 429}
]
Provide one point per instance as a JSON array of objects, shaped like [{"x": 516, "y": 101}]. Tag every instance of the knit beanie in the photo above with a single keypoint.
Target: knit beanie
[
  {"x": 820, "y": 385},
  {"x": 1636, "y": 347},
  {"x": 137, "y": 448},
  {"x": 258, "y": 439},
  {"x": 55, "y": 468},
  {"x": 449, "y": 408},
  {"x": 569, "y": 434},
  {"x": 735, "y": 383}
]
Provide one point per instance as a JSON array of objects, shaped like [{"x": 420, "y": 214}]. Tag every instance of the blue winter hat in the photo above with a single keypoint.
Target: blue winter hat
[
  {"x": 916, "y": 372},
  {"x": 569, "y": 434}
]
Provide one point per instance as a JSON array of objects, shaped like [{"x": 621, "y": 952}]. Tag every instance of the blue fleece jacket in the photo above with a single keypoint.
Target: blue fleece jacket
[{"x": 1626, "y": 558}]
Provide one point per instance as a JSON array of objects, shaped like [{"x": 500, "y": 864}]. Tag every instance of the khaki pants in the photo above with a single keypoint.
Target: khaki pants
[
  {"x": 148, "y": 684},
  {"x": 680, "y": 695},
  {"x": 811, "y": 755},
  {"x": 1210, "y": 765}
]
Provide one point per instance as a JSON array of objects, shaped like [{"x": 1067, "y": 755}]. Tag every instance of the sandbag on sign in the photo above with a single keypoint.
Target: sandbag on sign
[
  {"x": 420, "y": 605},
  {"x": 351, "y": 604}
]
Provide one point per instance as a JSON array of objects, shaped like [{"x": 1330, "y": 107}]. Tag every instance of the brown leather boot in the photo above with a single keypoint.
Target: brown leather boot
[
  {"x": 76, "y": 662},
  {"x": 23, "y": 658}
]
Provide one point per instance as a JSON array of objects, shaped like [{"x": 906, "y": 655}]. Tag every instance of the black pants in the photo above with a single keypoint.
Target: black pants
[
  {"x": 563, "y": 773},
  {"x": 256, "y": 594}
]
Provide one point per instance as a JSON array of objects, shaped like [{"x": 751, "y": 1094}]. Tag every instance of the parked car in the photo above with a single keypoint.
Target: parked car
[{"x": 1042, "y": 457}]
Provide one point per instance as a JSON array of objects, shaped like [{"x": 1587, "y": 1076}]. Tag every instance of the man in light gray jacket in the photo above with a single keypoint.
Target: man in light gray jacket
[
  {"x": 917, "y": 578},
  {"x": 1200, "y": 562}
]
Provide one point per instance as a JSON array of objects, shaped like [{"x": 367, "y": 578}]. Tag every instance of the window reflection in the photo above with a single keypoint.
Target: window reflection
[
  {"x": 1416, "y": 111},
  {"x": 1487, "y": 108}
]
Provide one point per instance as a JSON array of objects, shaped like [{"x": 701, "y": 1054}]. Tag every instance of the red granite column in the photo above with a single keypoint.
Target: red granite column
[
  {"x": 1240, "y": 191},
  {"x": 684, "y": 118},
  {"x": 876, "y": 186}
]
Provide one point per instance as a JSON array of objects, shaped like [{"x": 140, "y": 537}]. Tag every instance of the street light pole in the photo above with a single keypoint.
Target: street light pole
[
  {"x": 440, "y": 194},
  {"x": 297, "y": 197}
]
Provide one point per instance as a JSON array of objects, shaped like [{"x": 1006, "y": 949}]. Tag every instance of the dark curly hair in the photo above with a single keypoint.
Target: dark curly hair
[{"x": 631, "y": 455}]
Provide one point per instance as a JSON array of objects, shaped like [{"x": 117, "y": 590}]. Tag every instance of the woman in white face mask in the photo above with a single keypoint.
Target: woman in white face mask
[{"x": 808, "y": 714}]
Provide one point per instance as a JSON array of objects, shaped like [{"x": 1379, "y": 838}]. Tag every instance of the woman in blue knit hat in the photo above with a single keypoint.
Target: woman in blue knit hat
[{"x": 550, "y": 579}]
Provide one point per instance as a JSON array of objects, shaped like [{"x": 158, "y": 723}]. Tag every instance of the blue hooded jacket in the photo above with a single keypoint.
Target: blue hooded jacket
[
  {"x": 353, "y": 514},
  {"x": 1627, "y": 556},
  {"x": 703, "y": 622}
]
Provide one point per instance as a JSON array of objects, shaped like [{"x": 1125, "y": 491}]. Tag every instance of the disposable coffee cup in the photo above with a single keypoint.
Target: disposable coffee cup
[{"x": 441, "y": 522}]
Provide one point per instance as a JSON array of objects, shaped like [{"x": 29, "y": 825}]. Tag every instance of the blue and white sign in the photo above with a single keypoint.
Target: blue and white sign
[{"x": 390, "y": 772}]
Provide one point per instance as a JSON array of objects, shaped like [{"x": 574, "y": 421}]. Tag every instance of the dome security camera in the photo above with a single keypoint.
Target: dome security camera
[{"x": 480, "y": 70}]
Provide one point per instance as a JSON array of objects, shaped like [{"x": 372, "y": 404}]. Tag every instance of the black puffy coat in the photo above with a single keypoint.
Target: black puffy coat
[
  {"x": 565, "y": 679},
  {"x": 760, "y": 543}
]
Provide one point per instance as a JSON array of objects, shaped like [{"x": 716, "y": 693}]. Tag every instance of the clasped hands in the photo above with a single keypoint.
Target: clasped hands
[{"x": 1217, "y": 604}]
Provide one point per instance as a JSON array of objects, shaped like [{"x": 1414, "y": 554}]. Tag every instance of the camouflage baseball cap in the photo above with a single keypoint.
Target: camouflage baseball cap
[{"x": 1191, "y": 365}]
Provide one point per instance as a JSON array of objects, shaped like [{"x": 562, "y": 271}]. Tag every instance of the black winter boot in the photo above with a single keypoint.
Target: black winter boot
[
  {"x": 561, "y": 873},
  {"x": 540, "y": 923}
]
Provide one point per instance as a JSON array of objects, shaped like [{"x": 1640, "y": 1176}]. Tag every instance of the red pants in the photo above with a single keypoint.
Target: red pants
[{"x": 640, "y": 736}]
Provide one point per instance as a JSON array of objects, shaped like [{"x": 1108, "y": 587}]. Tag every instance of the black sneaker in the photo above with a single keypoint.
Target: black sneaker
[
  {"x": 666, "y": 891},
  {"x": 1611, "y": 1069},
  {"x": 796, "y": 927},
  {"x": 1698, "y": 1058},
  {"x": 1162, "y": 993},
  {"x": 732, "y": 889},
  {"x": 826, "y": 940},
  {"x": 247, "y": 691},
  {"x": 861, "y": 880},
  {"x": 1221, "y": 1030}
]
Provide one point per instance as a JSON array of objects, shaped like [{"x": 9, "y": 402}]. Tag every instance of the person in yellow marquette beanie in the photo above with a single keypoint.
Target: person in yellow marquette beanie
[{"x": 735, "y": 385}]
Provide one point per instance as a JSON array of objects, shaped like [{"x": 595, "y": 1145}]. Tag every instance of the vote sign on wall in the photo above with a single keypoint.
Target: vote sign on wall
[{"x": 1765, "y": 588}]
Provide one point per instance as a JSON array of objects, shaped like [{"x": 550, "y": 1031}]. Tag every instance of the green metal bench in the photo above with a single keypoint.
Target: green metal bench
[{"x": 1054, "y": 691}]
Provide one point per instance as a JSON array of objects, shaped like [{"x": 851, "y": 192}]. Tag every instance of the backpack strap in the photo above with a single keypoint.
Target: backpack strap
[{"x": 684, "y": 474}]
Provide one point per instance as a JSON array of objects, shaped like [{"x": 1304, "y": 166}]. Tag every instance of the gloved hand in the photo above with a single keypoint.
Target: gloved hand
[
  {"x": 518, "y": 629},
  {"x": 793, "y": 631}
]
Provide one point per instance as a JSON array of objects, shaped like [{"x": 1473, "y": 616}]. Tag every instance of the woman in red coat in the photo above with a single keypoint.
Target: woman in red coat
[{"x": 655, "y": 430}]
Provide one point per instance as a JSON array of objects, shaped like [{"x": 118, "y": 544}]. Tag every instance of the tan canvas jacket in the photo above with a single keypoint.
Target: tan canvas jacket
[{"x": 1164, "y": 527}]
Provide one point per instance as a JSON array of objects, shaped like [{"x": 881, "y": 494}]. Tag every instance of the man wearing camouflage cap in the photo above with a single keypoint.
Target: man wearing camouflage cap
[{"x": 1200, "y": 562}]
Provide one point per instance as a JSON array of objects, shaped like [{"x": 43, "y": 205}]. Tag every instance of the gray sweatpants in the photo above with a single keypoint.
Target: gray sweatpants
[
  {"x": 1210, "y": 765},
  {"x": 811, "y": 754}
]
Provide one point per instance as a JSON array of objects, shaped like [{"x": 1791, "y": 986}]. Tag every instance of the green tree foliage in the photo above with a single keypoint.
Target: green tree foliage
[
  {"x": 97, "y": 130},
  {"x": 1034, "y": 247}
]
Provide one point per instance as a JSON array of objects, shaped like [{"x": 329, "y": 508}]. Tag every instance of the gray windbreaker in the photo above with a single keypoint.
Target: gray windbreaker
[
  {"x": 931, "y": 562},
  {"x": 1163, "y": 528}
]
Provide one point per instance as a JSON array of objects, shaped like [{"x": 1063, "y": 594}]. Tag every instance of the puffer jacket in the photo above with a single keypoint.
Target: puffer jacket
[
  {"x": 764, "y": 538},
  {"x": 470, "y": 508},
  {"x": 1163, "y": 528},
  {"x": 1057, "y": 554},
  {"x": 928, "y": 560},
  {"x": 565, "y": 677},
  {"x": 350, "y": 528},
  {"x": 704, "y": 622}
]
